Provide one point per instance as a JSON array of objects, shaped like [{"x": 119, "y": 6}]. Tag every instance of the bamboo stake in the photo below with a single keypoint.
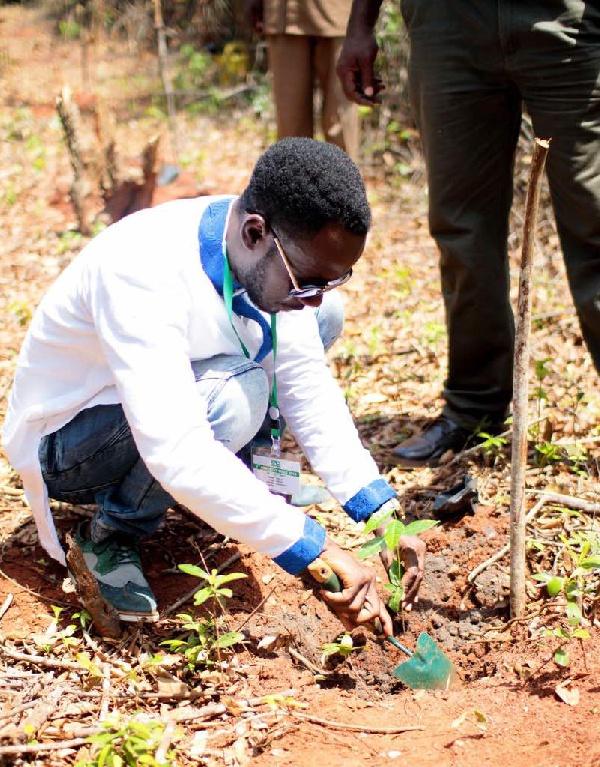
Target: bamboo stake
[{"x": 521, "y": 388}]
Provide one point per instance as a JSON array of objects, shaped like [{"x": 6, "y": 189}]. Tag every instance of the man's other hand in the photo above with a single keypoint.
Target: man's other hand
[
  {"x": 356, "y": 69},
  {"x": 412, "y": 555}
]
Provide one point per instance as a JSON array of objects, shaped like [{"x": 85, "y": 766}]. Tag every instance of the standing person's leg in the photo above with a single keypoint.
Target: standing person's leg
[
  {"x": 340, "y": 117},
  {"x": 290, "y": 64},
  {"x": 558, "y": 71},
  {"x": 468, "y": 114},
  {"x": 93, "y": 459}
]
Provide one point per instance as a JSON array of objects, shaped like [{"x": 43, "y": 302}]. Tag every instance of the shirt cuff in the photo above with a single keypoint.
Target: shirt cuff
[
  {"x": 369, "y": 499},
  {"x": 297, "y": 558}
]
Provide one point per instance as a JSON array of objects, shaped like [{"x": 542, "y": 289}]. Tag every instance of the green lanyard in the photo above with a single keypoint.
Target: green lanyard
[{"x": 273, "y": 403}]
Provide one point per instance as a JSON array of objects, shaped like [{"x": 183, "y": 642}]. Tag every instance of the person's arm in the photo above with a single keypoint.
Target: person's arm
[
  {"x": 315, "y": 410},
  {"x": 356, "y": 64}
]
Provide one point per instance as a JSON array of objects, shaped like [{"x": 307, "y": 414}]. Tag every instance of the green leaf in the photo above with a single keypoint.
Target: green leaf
[
  {"x": 103, "y": 755},
  {"x": 555, "y": 585},
  {"x": 370, "y": 548},
  {"x": 393, "y": 532},
  {"x": 591, "y": 563},
  {"x": 581, "y": 634},
  {"x": 574, "y": 613},
  {"x": 395, "y": 600},
  {"x": 221, "y": 579},
  {"x": 572, "y": 590},
  {"x": 395, "y": 572},
  {"x": 194, "y": 570},
  {"x": 228, "y": 639},
  {"x": 202, "y": 595},
  {"x": 543, "y": 577},
  {"x": 377, "y": 519},
  {"x": 561, "y": 657},
  {"x": 419, "y": 526}
]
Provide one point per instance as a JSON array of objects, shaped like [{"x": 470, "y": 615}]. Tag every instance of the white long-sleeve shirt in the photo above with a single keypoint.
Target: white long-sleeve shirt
[{"x": 120, "y": 325}]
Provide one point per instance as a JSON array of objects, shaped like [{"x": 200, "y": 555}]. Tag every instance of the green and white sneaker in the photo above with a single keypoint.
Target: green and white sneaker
[{"x": 115, "y": 564}]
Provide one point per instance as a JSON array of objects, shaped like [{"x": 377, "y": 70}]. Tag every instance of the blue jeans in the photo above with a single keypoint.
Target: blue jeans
[{"x": 94, "y": 459}]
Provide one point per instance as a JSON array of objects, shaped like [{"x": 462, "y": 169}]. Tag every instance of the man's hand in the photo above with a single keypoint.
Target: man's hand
[
  {"x": 359, "y": 601},
  {"x": 412, "y": 554},
  {"x": 356, "y": 68}
]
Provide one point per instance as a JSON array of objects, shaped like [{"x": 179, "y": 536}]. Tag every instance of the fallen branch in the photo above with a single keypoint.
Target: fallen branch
[
  {"x": 357, "y": 727},
  {"x": 505, "y": 549},
  {"x": 39, "y": 660},
  {"x": 570, "y": 502},
  {"x": 307, "y": 663},
  {"x": 36, "y": 748}
]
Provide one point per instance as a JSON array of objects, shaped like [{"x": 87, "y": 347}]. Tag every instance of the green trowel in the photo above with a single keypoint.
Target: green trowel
[{"x": 428, "y": 668}]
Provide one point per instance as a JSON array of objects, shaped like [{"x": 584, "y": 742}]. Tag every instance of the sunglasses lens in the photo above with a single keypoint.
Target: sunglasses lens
[{"x": 312, "y": 291}]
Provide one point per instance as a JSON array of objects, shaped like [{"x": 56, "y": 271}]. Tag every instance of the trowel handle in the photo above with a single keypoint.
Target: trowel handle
[
  {"x": 324, "y": 576},
  {"x": 328, "y": 580}
]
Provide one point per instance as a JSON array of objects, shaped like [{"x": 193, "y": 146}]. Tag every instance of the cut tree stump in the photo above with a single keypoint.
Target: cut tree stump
[{"x": 96, "y": 175}]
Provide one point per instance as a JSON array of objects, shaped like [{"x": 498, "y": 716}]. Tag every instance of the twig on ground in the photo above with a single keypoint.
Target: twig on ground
[
  {"x": 505, "y": 549},
  {"x": 104, "y": 703},
  {"x": 309, "y": 664},
  {"x": 569, "y": 501},
  {"x": 357, "y": 727},
  {"x": 39, "y": 660},
  {"x": 36, "y": 748},
  {"x": 6, "y": 604}
]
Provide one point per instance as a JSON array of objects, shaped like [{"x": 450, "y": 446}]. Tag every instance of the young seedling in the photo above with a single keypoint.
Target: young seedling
[
  {"x": 342, "y": 647},
  {"x": 575, "y": 586},
  {"x": 132, "y": 742},
  {"x": 394, "y": 530},
  {"x": 203, "y": 644}
]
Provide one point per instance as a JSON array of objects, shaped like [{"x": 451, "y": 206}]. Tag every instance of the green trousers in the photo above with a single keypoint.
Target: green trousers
[{"x": 474, "y": 65}]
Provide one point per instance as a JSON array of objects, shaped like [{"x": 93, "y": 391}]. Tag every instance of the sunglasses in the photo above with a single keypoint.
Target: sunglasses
[{"x": 308, "y": 291}]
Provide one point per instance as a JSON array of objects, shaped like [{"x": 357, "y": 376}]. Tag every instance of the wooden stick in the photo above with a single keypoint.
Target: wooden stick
[
  {"x": 357, "y": 727},
  {"x": 520, "y": 385},
  {"x": 36, "y": 748},
  {"x": 570, "y": 502}
]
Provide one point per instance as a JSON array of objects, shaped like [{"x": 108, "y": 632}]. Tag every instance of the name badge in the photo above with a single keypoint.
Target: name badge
[{"x": 280, "y": 473}]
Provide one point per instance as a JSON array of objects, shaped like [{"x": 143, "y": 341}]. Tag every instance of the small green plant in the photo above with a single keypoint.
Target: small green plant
[
  {"x": 343, "y": 646},
  {"x": 582, "y": 554},
  {"x": 394, "y": 530},
  {"x": 21, "y": 311},
  {"x": 133, "y": 742},
  {"x": 214, "y": 584},
  {"x": 434, "y": 333},
  {"x": 70, "y": 30},
  {"x": 52, "y": 639},
  {"x": 196, "y": 69},
  {"x": 491, "y": 444},
  {"x": 203, "y": 644},
  {"x": 547, "y": 453}
]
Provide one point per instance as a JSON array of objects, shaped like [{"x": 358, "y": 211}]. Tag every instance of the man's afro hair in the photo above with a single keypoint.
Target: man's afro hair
[{"x": 298, "y": 185}]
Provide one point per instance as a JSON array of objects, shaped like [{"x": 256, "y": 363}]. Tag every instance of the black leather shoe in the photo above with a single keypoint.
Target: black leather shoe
[{"x": 426, "y": 448}]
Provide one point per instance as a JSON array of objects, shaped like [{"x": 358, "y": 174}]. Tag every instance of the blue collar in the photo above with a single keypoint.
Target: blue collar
[{"x": 211, "y": 234}]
